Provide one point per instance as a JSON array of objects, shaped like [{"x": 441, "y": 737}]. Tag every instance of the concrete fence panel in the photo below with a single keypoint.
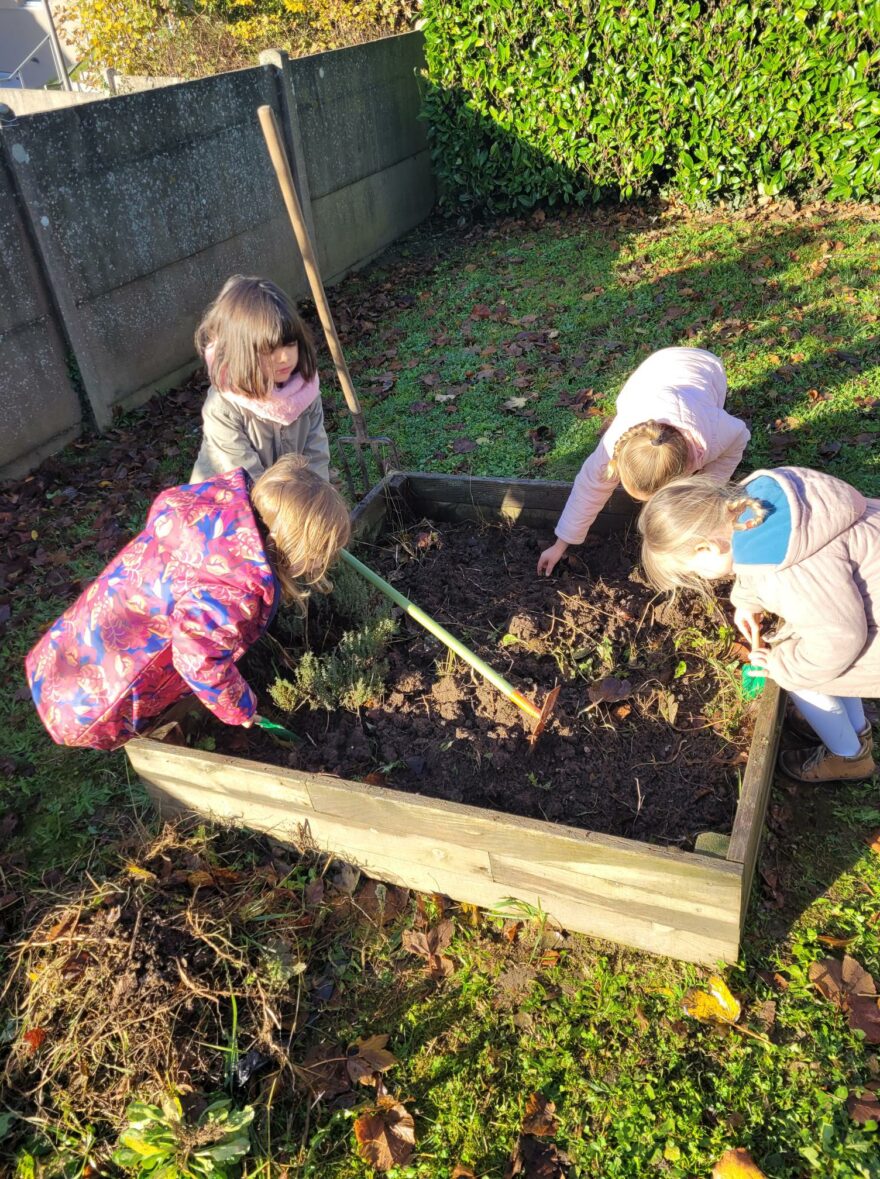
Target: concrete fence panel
[
  {"x": 140, "y": 206},
  {"x": 39, "y": 407},
  {"x": 365, "y": 148}
]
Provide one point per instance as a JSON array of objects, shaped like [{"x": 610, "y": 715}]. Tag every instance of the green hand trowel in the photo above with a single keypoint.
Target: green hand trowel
[
  {"x": 277, "y": 731},
  {"x": 753, "y": 681}
]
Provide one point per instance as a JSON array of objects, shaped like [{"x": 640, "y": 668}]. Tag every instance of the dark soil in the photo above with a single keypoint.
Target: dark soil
[{"x": 613, "y": 763}]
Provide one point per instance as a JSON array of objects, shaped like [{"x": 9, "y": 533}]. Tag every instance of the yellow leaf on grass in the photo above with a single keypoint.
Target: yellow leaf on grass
[
  {"x": 714, "y": 1005},
  {"x": 737, "y": 1164},
  {"x": 138, "y": 872},
  {"x": 470, "y": 912}
]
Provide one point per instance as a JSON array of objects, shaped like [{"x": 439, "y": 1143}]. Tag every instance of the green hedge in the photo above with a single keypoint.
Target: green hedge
[{"x": 572, "y": 100}]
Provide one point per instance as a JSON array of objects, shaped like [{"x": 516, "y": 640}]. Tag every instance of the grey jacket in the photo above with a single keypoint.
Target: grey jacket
[{"x": 232, "y": 437}]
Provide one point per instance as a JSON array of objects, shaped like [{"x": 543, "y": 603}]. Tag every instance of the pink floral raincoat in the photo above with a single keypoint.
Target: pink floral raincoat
[{"x": 169, "y": 615}]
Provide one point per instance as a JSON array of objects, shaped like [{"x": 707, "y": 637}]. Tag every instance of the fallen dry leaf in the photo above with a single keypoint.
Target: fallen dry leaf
[
  {"x": 67, "y": 924},
  {"x": 470, "y": 912},
  {"x": 540, "y": 1116},
  {"x": 737, "y": 1164},
  {"x": 740, "y": 651},
  {"x": 863, "y": 1106},
  {"x": 382, "y": 903},
  {"x": 714, "y": 1005},
  {"x": 873, "y": 842},
  {"x": 463, "y": 1172},
  {"x": 511, "y": 931},
  {"x": 368, "y": 1057},
  {"x": 430, "y": 946},
  {"x": 765, "y": 1014},
  {"x": 34, "y": 1040},
  {"x": 386, "y": 1135},
  {"x": 533, "y": 1159},
  {"x": 839, "y": 979},
  {"x": 609, "y": 690},
  {"x": 76, "y": 965},
  {"x": 835, "y": 943},
  {"x": 323, "y": 1069},
  {"x": 516, "y": 402},
  {"x": 847, "y": 985},
  {"x": 140, "y": 873}
]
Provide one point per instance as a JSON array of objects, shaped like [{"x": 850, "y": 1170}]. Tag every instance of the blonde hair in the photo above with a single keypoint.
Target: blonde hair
[
  {"x": 307, "y": 522},
  {"x": 249, "y": 319},
  {"x": 647, "y": 456},
  {"x": 684, "y": 515}
]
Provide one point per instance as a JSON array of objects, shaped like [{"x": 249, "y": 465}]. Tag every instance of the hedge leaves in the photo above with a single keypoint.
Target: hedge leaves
[{"x": 573, "y": 100}]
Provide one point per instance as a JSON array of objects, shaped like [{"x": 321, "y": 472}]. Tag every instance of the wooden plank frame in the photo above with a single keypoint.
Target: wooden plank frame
[{"x": 687, "y": 905}]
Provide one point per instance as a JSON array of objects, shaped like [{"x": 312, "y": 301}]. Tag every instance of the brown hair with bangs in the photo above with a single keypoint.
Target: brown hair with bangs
[
  {"x": 307, "y": 522},
  {"x": 248, "y": 320}
]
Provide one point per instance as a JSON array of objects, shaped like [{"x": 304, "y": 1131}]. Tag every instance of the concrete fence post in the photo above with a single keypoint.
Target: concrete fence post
[
  {"x": 41, "y": 409},
  {"x": 292, "y": 131}
]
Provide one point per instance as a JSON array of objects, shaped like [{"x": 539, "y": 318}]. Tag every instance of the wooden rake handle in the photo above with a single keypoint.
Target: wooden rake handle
[{"x": 281, "y": 164}]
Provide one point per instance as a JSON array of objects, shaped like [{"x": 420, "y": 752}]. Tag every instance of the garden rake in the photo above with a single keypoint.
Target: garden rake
[
  {"x": 539, "y": 715},
  {"x": 382, "y": 448}
]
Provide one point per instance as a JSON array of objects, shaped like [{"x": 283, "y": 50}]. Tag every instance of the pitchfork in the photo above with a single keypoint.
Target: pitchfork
[{"x": 383, "y": 448}]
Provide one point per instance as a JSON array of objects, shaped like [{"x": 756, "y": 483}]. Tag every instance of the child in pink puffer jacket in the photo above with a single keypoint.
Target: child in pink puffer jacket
[
  {"x": 670, "y": 421},
  {"x": 803, "y": 546},
  {"x": 183, "y": 601}
]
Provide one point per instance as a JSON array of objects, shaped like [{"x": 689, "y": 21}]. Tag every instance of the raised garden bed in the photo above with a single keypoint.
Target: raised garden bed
[{"x": 651, "y": 760}]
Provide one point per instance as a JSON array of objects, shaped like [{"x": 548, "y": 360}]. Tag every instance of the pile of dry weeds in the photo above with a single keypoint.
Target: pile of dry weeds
[{"x": 190, "y": 970}]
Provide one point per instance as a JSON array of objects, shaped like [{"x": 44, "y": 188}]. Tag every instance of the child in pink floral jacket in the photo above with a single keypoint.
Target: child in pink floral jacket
[{"x": 183, "y": 601}]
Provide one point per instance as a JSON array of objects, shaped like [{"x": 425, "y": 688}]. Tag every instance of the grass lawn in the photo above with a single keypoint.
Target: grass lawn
[{"x": 496, "y": 351}]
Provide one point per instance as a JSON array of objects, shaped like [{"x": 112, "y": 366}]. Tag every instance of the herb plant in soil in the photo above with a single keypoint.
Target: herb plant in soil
[{"x": 649, "y": 731}]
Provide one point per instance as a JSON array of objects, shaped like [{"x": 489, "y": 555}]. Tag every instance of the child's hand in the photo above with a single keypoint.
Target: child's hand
[
  {"x": 760, "y": 658},
  {"x": 548, "y": 559},
  {"x": 749, "y": 625}
]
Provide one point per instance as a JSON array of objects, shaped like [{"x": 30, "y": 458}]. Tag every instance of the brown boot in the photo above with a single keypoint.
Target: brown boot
[{"x": 819, "y": 764}]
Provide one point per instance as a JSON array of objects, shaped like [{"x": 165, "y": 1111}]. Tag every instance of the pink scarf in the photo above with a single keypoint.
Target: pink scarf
[{"x": 283, "y": 406}]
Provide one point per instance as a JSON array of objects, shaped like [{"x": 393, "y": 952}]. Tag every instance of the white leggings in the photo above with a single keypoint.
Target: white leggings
[{"x": 837, "y": 720}]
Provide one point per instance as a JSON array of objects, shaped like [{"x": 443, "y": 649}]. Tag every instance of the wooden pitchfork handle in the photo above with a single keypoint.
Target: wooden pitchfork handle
[{"x": 281, "y": 165}]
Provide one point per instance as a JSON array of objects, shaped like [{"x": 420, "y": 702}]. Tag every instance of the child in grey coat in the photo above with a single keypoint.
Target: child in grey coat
[{"x": 264, "y": 400}]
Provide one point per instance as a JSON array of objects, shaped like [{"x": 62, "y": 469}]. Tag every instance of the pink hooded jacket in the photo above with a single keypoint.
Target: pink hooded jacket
[
  {"x": 169, "y": 615},
  {"x": 681, "y": 387},
  {"x": 815, "y": 562}
]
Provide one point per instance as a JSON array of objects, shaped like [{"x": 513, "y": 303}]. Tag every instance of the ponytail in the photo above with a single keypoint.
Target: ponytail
[{"x": 647, "y": 456}]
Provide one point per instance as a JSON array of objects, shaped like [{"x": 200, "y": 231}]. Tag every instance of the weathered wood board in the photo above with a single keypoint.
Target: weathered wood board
[{"x": 686, "y": 905}]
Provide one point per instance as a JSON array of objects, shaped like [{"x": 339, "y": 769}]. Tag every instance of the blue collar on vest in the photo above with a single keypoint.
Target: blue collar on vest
[{"x": 766, "y": 543}]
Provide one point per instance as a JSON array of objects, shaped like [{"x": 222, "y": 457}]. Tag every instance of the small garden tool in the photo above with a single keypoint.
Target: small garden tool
[
  {"x": 753, "y": 678},
  {"x": 753, "y": 681},
  {"x": 539, "y": 715},
  {"x": 383, "y": 448},
  {"x": 277, "y": 731}
]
